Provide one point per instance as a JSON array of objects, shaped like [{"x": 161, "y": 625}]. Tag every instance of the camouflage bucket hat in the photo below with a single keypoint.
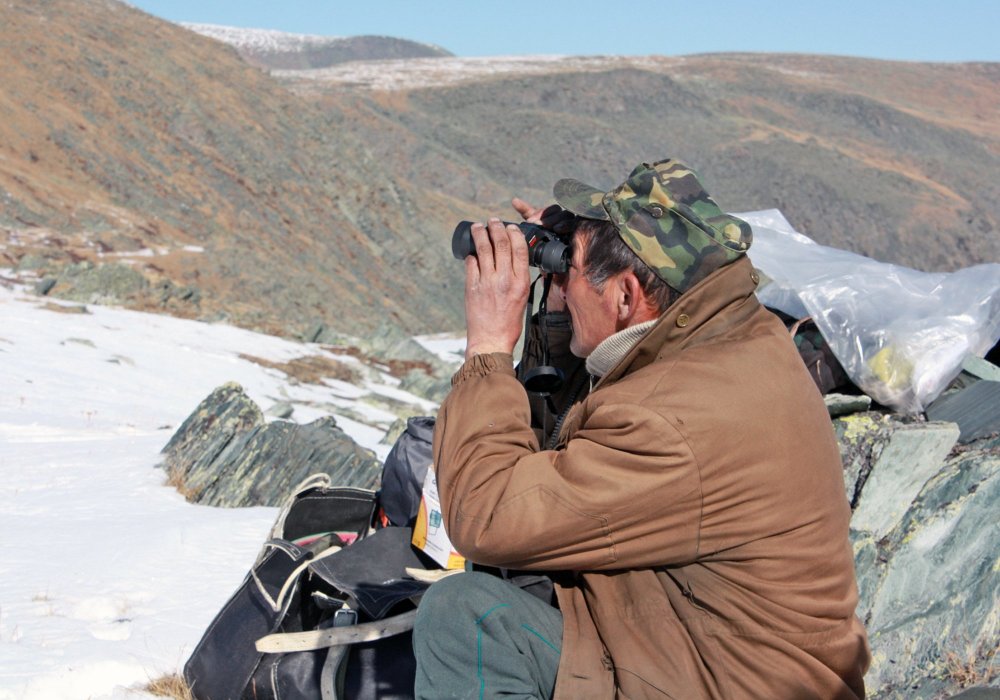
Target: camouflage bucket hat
[{"x": 666, "y": 217}]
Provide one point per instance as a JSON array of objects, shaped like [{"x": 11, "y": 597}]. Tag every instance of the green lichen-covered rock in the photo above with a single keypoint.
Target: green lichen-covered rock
[
  {"x": 99, "y": 284},
  {"x": 226, "y": 455},
  {"x": 926, "y": 544},
  {"x": 861, "y": 438},
  {"x": 206, "y": 434},
  {"x": 930, "y": 587},
  {"x": 912, "y": 456}
]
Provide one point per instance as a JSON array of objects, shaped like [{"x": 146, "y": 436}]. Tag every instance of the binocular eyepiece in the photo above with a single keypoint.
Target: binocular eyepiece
[{"x": 545, "y": 250}]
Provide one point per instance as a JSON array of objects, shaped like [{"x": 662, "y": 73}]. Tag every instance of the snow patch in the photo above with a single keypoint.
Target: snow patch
[
  {"x": 108, "y": 577},
  {"x": 412, "y": 73},
  {"x": 261, "y": 40}
]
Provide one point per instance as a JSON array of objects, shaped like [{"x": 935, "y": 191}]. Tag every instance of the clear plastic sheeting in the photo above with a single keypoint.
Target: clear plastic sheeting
[{"x": 900, "y": 334}]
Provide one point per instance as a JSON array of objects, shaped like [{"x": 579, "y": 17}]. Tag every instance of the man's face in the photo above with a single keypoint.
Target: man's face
[{"x": 594, "y": 313}]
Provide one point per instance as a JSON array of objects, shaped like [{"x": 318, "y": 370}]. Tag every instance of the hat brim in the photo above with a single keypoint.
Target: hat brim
[{"x": 581, "y": 199}]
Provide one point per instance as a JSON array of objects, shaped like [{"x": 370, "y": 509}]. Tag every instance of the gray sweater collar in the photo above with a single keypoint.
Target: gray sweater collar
[{"x": 613, "y": 348}]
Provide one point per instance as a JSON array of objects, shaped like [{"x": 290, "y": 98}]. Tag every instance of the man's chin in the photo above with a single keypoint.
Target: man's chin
[{"x": 577, "y": 351}]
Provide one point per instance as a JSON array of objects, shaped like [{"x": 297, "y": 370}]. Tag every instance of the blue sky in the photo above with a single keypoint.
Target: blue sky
[{"x": 913, "y": 30}]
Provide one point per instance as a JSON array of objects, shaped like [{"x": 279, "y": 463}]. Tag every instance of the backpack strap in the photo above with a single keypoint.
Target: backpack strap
[
  {"x": 331, "y": 679},
  {"x": 278, "y": 604},
  {"x": 281, "y": 643}
]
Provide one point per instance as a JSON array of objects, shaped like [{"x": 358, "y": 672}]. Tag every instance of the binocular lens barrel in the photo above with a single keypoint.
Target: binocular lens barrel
[{"x": 545, "y": 250}]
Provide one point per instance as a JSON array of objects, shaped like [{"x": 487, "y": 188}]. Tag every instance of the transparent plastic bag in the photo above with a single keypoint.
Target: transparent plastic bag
[{"x": 900, "y": 334}]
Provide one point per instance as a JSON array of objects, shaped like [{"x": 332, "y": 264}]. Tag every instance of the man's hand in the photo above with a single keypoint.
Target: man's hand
[
  {"x": 554, "y": 218},
  {"x": 496, "y": 288}
]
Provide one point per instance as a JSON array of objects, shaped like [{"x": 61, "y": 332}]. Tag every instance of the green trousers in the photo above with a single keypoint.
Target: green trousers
[{"x": 477, "y": 636}]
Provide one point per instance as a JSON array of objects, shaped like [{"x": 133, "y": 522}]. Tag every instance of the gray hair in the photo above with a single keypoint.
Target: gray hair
[{"x": 606, "y": 255}]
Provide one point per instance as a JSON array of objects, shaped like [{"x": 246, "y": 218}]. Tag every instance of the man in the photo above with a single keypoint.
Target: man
[{"x": 692, "y": 514}]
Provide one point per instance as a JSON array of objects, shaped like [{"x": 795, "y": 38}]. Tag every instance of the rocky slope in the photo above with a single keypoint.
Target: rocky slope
[
  {"x": 131, "y": 141},
  {"x": 302, "y": 198}
]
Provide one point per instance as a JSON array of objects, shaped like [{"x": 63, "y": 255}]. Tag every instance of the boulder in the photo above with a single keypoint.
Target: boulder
[
  {"x": 225, "y": 454},
  {"x": 111, "y": 283},
  {"x": 927, "y": 546},
  {"x": 930, "y": 594}
]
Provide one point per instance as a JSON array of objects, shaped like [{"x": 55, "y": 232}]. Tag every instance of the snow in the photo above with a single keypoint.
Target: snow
[
  {"x": 272, "y": 40},
  {"x": 263, "y": 40},
  {"x": 415, "y": 73},
  {"x": 109, "y": 577},
  {"x": 448, "y": 346}
]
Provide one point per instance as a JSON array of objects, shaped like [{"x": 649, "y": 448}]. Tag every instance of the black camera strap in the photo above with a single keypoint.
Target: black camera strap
[{"x": 544, "y": 379}]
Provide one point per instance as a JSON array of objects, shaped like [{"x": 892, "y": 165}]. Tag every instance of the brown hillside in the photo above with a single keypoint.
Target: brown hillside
[
  {"x": 329, "y": 196},
  {"x": 121, "y": 134},
  {"x": 899, "y": 161}
]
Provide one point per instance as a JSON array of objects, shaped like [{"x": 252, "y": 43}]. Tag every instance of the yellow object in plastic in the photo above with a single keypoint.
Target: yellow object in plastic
[{"x": 891, "y": 367}]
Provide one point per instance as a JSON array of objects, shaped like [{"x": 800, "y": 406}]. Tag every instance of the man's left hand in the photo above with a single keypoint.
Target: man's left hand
[{"x": 496, "y": 288}]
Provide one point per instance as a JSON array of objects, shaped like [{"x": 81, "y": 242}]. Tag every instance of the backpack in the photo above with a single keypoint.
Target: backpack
[
  {"x": 404, "y": 471},
  {"x": 325, "y": 611}
]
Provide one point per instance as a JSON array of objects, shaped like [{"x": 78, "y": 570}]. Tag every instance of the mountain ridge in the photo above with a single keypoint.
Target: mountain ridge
[
  {"x": 272, "y": 49},
  {"x": 287, "y": 200}
]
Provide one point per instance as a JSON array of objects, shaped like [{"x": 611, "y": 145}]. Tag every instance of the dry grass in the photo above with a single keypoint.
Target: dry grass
[
  {"x": 176, "y": 481},
  {"x": 64, "y": 308},
  {"x": 309, "y": 369},
  {"x": 975, "y": 667},
  {"x": 172, "y": 686}
]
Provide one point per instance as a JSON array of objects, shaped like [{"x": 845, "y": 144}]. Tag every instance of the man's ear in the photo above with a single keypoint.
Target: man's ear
[
  {"x": 633, "y": 303},
  {"x": 630, "y": 297}
]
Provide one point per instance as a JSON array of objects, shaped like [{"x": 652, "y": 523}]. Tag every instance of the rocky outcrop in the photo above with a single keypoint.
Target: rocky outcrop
[
  {"x": 225, "y": 454},
  {"x": 927, "y": 546}
]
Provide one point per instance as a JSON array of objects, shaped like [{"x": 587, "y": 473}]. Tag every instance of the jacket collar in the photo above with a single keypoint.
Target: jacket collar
[{"x": 707, "y": 309}]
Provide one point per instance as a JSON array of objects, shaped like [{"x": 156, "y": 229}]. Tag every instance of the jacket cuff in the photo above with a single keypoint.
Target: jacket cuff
[{"x": 484, "y": 364}]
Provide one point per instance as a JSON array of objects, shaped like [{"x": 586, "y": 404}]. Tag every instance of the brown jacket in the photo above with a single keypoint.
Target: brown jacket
[{"x": 694, "y": 508}]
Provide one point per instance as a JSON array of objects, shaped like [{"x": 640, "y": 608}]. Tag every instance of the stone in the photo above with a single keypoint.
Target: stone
[
  {"x": 861, "y": 438},
  {"x": 981, "y": 368},
  {"x": 98, "y": 284},
  {"x": 845, "y": 404},
  {"x": 930, "y": 594},
  {"x": 205, "y": 434},
  {"x": 281, "y": 409},
  {"x": 913, "y": 454},
  {"x": 44, "y": 286},
  {"x": 433, "y": 387},
  {"x": 224, "y": 454},
  {"x": 32, "y": 262},
  {"x": 975, "y": 408}
]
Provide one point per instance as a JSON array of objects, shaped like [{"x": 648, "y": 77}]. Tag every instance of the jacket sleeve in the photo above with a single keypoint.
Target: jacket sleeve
[{"x": 610, "y": 499}]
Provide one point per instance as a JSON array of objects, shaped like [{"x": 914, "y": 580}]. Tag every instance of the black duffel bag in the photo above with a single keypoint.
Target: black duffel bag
[{"x": 325, "y": 612}]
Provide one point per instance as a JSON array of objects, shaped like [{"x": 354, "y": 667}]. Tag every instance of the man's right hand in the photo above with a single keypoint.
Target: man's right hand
[{"x": 497, "y": 279}]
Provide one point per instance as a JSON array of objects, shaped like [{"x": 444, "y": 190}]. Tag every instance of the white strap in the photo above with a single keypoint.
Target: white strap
[
  {"x": 319, "y": 639},
  {"x": 319, "y": 479},
  {"x": 277, "y": 604},
  {"x": 331, "y": 679},
  {"x": 431, "y": 575}
]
